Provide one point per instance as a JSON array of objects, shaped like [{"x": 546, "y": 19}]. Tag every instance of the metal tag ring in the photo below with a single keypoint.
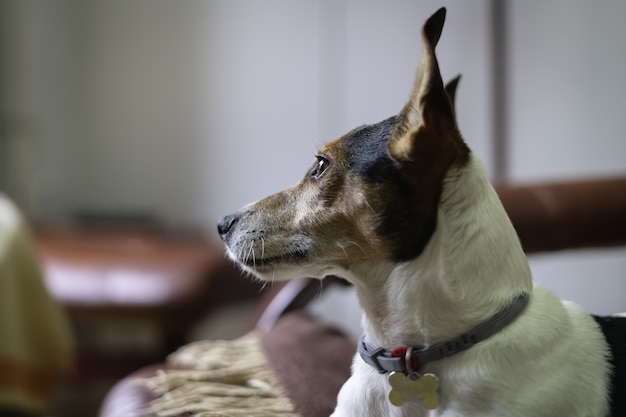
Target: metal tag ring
[{"x": 408, "y": 360}]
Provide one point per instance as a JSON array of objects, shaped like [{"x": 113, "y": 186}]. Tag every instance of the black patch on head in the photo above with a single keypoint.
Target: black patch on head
[
  {"x": 404, "y": 221},
  {"x": 366, "y": 149}
]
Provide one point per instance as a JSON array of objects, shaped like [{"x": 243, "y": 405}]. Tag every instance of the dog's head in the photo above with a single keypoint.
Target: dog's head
[{"x": 371, "y": 196}]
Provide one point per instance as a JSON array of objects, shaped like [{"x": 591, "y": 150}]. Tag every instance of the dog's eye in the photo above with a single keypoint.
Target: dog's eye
[{"x": 319, "y": 167}]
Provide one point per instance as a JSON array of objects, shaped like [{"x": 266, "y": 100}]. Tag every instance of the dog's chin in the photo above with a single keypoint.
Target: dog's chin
[
  {"x": 275, "y": 268},
  {"x": 278, "y": 272},
  {"x": 289, "y": 258}
]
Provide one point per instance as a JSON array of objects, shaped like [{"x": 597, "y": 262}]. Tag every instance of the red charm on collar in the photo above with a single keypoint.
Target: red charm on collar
[{"x": 400, "y": 352}]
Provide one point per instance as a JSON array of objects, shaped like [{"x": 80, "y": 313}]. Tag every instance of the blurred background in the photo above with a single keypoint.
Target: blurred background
[{"x": 179, "y": 112}]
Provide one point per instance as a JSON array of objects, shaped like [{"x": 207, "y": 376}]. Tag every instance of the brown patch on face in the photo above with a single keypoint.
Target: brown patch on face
[
  {"x": 346, "y": 226},
  {"x": 340, "y": 212}
]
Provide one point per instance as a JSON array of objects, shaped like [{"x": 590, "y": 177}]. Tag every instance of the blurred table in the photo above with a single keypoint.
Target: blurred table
[{"x": 132, "y": 295}]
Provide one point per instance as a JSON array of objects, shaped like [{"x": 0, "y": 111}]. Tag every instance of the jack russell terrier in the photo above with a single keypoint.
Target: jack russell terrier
[{"x": 404, "y": 211}]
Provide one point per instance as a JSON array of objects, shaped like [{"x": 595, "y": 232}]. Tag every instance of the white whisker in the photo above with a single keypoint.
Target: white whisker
[
  {"x": 253, "y": 254},
  {"x": 358, "y": 246},
  {"x": 343, "y": 249},
  {"x": 263, "y": 286},
  {"x": 319, "y": 294}
]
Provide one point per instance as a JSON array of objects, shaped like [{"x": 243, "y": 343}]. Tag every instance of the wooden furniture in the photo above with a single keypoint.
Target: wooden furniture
[{"x": 132, "y": 295}]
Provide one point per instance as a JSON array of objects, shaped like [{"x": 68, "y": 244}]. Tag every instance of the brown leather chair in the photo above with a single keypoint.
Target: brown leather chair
[{"x": 305, "y": 353}]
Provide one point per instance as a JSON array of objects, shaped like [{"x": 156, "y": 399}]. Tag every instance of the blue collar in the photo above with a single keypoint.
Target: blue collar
[{"x": 383, "y": 361}]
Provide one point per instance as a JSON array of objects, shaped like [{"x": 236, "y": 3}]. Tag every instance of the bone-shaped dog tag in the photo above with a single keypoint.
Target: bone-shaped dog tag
[{"x": 413, "y": 387}]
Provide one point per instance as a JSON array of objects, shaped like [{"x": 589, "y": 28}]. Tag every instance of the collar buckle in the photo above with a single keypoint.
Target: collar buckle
[{"x": 370, "y": 355}]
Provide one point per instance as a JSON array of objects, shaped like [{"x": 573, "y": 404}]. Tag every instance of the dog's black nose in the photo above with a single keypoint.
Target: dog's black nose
[{"x": 227, "y": 223}]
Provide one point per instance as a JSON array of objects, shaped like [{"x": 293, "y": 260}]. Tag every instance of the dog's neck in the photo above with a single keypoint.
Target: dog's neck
[{"x": 472, "y": 267}]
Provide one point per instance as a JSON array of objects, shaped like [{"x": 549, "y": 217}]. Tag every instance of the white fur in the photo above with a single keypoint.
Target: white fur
[{"x": 550, "y": 362}]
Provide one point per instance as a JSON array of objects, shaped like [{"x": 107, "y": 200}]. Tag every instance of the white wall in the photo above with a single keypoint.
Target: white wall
[
  {"x": 143, "y": 146},
  {"x": 567, "y": 90},
  {"x": 189, "y": 110},
  {"x": 261, "y": 98},
  {"x": 39, "y": 110}
]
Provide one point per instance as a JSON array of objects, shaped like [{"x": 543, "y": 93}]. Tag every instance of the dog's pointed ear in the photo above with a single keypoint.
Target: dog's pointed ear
[
  {"x": 450, "y": 88},
  {"x": 427, "y": 77},
  {"x": 428, "y": 116}
]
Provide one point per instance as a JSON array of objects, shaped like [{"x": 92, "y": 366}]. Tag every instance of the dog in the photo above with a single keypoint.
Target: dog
[{"x": 453, "y": 324}]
